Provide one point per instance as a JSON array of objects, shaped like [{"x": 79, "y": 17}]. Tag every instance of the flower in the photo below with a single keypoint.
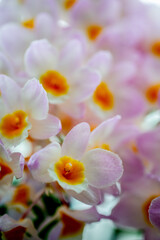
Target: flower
[
  {"x": 80, "y": 172},
  {"x": 25, "y": 111}
]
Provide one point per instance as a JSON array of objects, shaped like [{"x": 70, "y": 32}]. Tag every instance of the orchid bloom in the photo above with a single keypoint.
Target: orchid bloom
[
  {"x": 59, "y": 72},
  {"x": 25, "y": 111},
  {"x": 74, "y": 168}
]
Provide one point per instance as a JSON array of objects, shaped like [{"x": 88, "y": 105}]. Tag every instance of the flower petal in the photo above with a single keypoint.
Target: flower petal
[
  {"x": 46, "y": 128},
  {"x": 35, "y": 99},
  {"x": 91, "y": 196},
  {"x": 69, "y": 59},
  {"x": 154, "y": 212},
  {"x": 17, "y": 164},
  {"x": 103, "y": 168},
  {"x": 7, "y": 85},
  {"x": 40, "y": 162},
  {"x": 102, "y": 132},
  {"x": 85, "y": 83},
  {"x": 101, "y": 62},
  {"x": 16, "y": 45},
  {"x": 76, "y": 141},
  {"x": 88, "y": 215},
  {"x": 40, "y": 57}
]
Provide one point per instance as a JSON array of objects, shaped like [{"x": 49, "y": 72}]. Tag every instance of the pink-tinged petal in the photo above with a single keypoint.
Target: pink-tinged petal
[
  {"x": 101, "y": 62},
  {"x": 88, "y": 215},
  {"x": 11, "y": 226},
  {"x": 75, "y": 142},
  {"x": 5, "y": 65},
  {"x": 103, "y": 131},
  {"x": 54, "y": 234},
  {"x": 75, "y": 110},
  {"x": 128, "y": 212},
  {"x": 43, "y": 25},
  {"x": 71, "y": 56},
  {"x": 17, "y": 164},
  {"x": 7, "y": 86},
  {"x": 40, "y": 57},
  {"x": 91, "y": 196},
  {"x": 130, "y": 103},
  {"x": 35, "y": 99},
  {"x": 40, "y": 162},
  {"x": 151, "y": 234},
  {"x": 154, "y": 212},
  {"x": 148, "y": 144},
  {"x": 16, "y": 45},
  {"x": 46, "y": 128},
  {"x": 84, "y": 85},
  {"x": 4, "y": 154},
  {"x": 102, "y": 168}
]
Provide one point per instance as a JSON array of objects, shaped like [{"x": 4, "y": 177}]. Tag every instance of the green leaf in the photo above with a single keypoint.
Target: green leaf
[
  {"x": 51, "y": 203},
  {"x": 40, "y": 216}
]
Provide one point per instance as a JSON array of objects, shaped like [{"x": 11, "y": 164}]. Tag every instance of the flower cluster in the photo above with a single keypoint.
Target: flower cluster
[{"x": 79, "y": 83}]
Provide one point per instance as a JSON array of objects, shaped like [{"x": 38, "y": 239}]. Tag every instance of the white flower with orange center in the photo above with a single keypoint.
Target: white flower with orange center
[
  {"x": 21, "y": 115},
  {"x": 60, "y": 72},
  {"x": 93, "y": 16},
  {"x": 114, "y": 95},
  {"x": 75, "y": 168}
]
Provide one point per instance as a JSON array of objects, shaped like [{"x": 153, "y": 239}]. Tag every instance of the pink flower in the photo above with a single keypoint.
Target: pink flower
[
  {"x": 80, "y": 172},
  {"x": 114, "y": 94}
]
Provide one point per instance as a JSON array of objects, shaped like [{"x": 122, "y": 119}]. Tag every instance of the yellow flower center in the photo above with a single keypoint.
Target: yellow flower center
[
  {"x": 69, "y": 170},
  {"x": 28, "y": 23},
  {"x": 145, "y": 208},
  {"x": 12, "y": 125},
  {"x": 54, "y": 83},
  {"x": 155, "y": 49},
  {"x": 69, "y": 4},
  {"x": 152, "y": 93},
  {"x": 103, "y": 97},
  {"x": 93, "y": 31},
  {"x": 4, "y": 169}
]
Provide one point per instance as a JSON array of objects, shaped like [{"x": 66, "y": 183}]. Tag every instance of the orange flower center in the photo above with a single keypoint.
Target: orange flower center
[
  {"x": 4, "y": 169},
  {"x": 28, "y": 23},
  {"x": 71, "y": 226},
  {"x": 69, "y": 170},
  {"x": 155, "y": 49},
  {"x": 103, "y": 97},
  {"x": 12, "y": 125},
  {"x": 15, "y": 233},
  {"x": 54, "y": 83},
  {"x": 21, "y": 195},
  {"x": 69, "y": 4},
  {"x": 93, "y": 31},
  {"x": 152, "y": 93},
  {"x": 145, "y": 208}
]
